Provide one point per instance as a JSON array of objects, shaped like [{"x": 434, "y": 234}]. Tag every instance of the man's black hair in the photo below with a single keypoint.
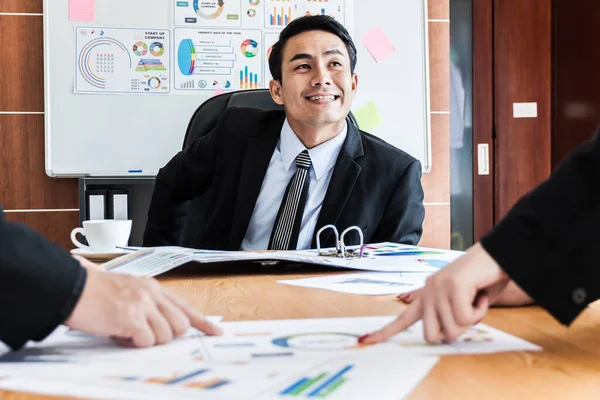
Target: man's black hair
[{"x": 306, "y": 24}]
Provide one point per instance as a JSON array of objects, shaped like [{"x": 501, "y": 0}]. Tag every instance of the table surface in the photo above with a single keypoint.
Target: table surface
[{"x": 568, "y": 366}]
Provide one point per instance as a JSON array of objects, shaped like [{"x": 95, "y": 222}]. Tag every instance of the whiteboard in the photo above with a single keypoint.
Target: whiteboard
[{"x": 120, "y": 90}]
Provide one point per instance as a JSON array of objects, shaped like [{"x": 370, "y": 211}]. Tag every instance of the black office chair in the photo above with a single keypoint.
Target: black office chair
[{"x": 202, "y": 122}]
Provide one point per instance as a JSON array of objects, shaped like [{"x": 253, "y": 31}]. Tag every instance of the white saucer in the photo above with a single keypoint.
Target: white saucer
[{"x": 99, "y": 256}]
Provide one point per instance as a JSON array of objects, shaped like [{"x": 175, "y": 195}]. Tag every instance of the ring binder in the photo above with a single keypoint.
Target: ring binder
[
  {"x": 118, "y": 204},
  {"x": 340, "y": 246},
  {"x": 95, "y": 204}
]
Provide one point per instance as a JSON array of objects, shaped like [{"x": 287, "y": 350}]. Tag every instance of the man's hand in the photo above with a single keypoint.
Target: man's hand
[
  {"x": 135, "y": 311},
  {"x": 511, "y": 296},
  {"x": 452, "y": 300}
]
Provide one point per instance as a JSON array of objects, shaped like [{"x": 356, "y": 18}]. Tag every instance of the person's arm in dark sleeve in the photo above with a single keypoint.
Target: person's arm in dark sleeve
[
  {"x": 548, "y": 242},
  {"x": 40, "y": 284},
  {"x": 402, "y": 221},
  {"x": 188, "y": 175}
]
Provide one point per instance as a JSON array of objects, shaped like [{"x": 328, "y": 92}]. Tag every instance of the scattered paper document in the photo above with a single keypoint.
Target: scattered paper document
[
  {"x": 378, "y": 44},
  {"x": 356, "y": 376},
  {"x": 82, "y": 10},
  {"x": 67, "y": 346},
  {"x": 368, "y": 117},
  {"x": 157, "y": 260},
  {"x": 53, "y": 386},
  {"x": 301, "y": 358},
  {"x": 383, "y": 257},
  {"x": 246, "y": 341},
  {"x": 297, "y": 338},
  {"x": 368, "y": 283}
]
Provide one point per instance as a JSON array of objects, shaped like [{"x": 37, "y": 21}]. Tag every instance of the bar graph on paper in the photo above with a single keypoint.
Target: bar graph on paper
[
  {"x": 319, "y": 386},
  {"x": 191, "y": 380},
  {"x": 281, "y": 16},
  {"x": 279, "y": 13},
  {"x": 214, "y": 59}
]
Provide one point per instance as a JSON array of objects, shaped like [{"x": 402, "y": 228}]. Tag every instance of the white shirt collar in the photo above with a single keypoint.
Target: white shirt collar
[{"x": 323, "y": 156}]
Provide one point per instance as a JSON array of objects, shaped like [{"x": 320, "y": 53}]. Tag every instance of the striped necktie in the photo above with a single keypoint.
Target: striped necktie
[{"x": 289, "y": 217}]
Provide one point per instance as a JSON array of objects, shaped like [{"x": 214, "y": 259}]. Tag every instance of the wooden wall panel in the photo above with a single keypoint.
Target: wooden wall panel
[
  {"x": 438, "y": 9},
  {"x": 436, "y": 183},
  {"x": 436, "y": 228},
  {"x": 522, "y": 65},
  {"x": 439, "y": 65},
  {"x": 23, "y": 181},
  {"x": 56, "y": 226},
  {"x": 21, "y": 6},
  {"x": 21, "y": 64},
  {"x": 576, "y": 82}
]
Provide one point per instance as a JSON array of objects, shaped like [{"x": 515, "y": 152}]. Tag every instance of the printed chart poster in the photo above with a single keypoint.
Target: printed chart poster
[
  {"x": 279, "y": 13},
  {"x": 211, "y": 59},
  {"x": 213, "y": 13},
  {"x": 118, "y": 60}
]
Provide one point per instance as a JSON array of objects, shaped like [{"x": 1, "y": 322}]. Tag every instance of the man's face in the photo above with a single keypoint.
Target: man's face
[{"x": 317, "y": 86}]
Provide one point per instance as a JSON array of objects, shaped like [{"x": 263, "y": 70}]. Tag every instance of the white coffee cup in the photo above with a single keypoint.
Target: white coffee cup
[{"x": 103, "y": 235}]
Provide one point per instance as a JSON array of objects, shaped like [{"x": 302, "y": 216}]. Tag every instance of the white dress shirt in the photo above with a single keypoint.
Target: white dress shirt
[{"x": 281, "y": 169}]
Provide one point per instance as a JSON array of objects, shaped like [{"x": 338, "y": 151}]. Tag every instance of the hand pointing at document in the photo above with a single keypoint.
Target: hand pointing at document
[
  {"x": 547, "y": 243},
  {"x": 134, "y": 311},
  {"x": 452, "y": 300}
]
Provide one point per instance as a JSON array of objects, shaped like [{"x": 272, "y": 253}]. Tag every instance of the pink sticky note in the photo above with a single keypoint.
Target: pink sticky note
[
  {"x": 378, "y": 44},
  {"x": 82, "y": 10},
  {"x": 218, "y": 92}
]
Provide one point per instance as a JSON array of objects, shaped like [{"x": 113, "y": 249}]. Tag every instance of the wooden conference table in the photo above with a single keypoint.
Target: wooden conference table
[{"x": 568, "y": 367}]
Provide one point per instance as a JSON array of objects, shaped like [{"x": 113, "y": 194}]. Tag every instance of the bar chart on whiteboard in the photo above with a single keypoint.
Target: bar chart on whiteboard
[{"x": 279, "y": 13}]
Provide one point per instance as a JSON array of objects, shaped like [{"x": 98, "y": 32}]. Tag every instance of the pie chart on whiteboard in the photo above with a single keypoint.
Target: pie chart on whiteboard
[{"x": 249, "y": 48}]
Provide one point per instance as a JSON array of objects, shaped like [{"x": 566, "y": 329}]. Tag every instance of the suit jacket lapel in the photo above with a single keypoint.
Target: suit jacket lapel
[
  {"x": 345, "y": 174},
  {"x": 254, "y": 168}
]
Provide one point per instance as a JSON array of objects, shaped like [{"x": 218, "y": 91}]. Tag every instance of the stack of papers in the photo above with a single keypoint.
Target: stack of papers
[
  {"x": 382, "y": 257},
  {"x": 310, "y": 358},
  {"x": 396, "y": 268}
]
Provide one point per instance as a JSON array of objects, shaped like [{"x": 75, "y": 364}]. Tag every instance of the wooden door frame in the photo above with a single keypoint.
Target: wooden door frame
[{"x": 483, "y": 114}]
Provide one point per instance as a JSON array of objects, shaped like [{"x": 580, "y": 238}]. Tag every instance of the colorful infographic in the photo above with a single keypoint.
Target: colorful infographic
[
  {"x": 268, "y": 17},
  {"x": 279, "y": 13},
  {"x": 218, "y": 59},
  {"x": 208, "y": 13},
  {"x": 115, "y": 60}
]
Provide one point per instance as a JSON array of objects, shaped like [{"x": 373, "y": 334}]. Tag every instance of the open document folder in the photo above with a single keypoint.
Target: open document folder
[{"x": 384, "y": 257}]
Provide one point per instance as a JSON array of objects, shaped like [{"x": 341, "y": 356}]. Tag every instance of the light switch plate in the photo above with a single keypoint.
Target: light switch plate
[
  {"x": 483, "y": 159},
  {"x": 524, "y": 110}
]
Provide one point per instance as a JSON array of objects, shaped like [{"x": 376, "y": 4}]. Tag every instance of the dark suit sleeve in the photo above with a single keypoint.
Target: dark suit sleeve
[
  {"x": 548, "y": 242},
  {"x": 40, "y": 284},
  {"x": 402, "y": 221},
  {"x": 188, "y": 175}
]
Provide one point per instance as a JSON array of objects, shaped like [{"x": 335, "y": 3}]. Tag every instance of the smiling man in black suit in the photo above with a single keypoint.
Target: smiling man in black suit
[{"x": 278, "y": 176}]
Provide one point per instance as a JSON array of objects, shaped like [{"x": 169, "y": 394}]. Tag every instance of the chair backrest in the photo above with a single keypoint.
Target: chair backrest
[
  {"x": 207, "y": 114},
  {"x": 202, "y": 122}
]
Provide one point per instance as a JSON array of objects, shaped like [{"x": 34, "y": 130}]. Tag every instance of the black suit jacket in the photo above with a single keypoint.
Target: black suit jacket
[
  {"x": 548, "y": 242},
  {"x": 374, "y": 186},
  {"x": 40, "y": 284}
]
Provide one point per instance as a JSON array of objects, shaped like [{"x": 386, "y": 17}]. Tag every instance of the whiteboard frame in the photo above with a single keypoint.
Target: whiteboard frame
[{"x": 426, "y": 162}]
